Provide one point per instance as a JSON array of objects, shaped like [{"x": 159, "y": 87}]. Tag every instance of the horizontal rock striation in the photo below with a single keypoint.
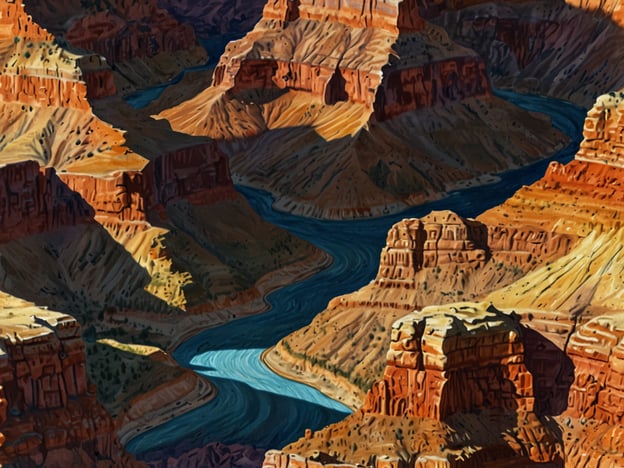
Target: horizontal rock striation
[
  {"x": 194, "y": 173},
  {"x": 51, "y": 413},
  {"x": 559, "y": 49},
  {"x": 137, "y": 33},
  {"x": 458, "y": 358},
  {"x": 34, "y": 200},
  {"x": 597, "y": 351}
]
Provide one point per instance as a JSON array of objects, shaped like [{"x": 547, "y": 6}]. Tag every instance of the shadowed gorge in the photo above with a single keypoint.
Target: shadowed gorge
[{"x": 311, "y": 233}]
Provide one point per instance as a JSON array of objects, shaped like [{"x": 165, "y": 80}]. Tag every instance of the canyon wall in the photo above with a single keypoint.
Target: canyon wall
[
  {"x": 194, "y": 173},
  {"x": 50, "y": 410},
  {"x": 562, "y": 49},
  {"x": 446, "y": 360},
  {"x": 34, "y": 200},
  {"x": 381, "y": 103}
]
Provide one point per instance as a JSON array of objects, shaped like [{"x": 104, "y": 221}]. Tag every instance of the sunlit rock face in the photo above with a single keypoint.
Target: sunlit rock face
[{"x": 361, "y": 101}]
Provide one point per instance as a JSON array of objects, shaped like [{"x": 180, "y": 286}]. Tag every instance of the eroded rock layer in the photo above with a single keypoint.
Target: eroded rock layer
[
  {"x": 142, "y": 43},
  {"x": 562, "y": 49},
  {"x": 458, "y": 377},
  {"x": 50, "y": 413},
  {"x": 369, "y": 86},
  {"x": 446, "y": 360}
]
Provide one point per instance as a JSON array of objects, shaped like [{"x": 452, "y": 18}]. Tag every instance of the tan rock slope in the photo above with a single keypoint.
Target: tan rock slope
[
  {"x": 356, "y": 109},
  {"x": 134, "y": 230},
  {"x": 568, "y": 308}
]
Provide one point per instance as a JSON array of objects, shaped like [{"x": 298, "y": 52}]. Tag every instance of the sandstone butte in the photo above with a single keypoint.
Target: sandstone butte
[
  {"x": 134, "y": 230},
  {"x": 49, "y": 413},
  {"x": 555, "y": 379},
  {"x": 353, "y": 109}
]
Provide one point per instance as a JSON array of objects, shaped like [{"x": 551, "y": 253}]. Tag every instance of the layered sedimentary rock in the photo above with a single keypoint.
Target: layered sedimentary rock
[
  {"x": 437, "y": 259},
  {"x": 134, "y": 230},
  {"x": 449, "y": 369},
  {"x": 562, "y": 49},
  {"x": 34, "y": 200},
  {"x": 373, "y": 88},
  {"x": 445, "y": 360},
  {"x": 143, "y": 43},
  {"x": 568, "y": 310},
  {"x": 50, "y": 413}
]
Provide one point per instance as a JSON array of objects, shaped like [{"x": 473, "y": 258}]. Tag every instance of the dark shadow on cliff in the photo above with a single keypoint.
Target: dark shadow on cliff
[
  {"x": 501, "y": 426},
  {"x": 521, "y": 44},
  {"x": 75, "y": 267}
]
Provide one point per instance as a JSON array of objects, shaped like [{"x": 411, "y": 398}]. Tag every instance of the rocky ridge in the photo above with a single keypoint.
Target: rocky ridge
[
  {"x": 50, "y": 414},
  {"x": 568, "y": 309},
  {"x": 282, "y": 83},
  {"x": 142, "y": 45}
]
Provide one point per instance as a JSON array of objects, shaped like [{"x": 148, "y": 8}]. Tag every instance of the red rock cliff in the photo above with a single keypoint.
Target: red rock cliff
[
  {"x": 196, "y": 173},
  {"x": 52, "y": 415},
  {"x": 35, "y": 200},
  {"x": 262, "y": 61},
  {"x": 450, "y": 359}
]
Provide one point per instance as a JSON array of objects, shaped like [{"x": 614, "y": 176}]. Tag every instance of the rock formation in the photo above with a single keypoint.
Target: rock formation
[
  {"x": 438, "y": 259},
  {"x": 141, "y": 42},
  {"x": 445, "y": 366},
  {"x": 531, "y": 46},
  {"x": 373, "y": 88},
  {"x": 50, "y": 413},
  {"x": 134, "y": 230},
  {"x": 568, "y": 310}
]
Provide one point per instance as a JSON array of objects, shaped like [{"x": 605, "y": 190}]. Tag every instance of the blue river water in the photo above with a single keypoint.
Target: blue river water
[{"x": 254, "y": 405}]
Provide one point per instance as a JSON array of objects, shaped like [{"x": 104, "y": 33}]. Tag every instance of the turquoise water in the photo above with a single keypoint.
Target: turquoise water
[{"x": 254, "y": 405}]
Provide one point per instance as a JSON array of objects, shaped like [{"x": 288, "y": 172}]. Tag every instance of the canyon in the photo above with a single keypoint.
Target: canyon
[
  {"x": 381, "y": 95},
  {"x": 124, "y": 226},
  {"x": 554, "y": 380},
  {"x": 480, "y": 341}
]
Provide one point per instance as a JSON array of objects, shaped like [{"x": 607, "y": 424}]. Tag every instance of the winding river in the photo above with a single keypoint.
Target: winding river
[{"x": 254, "y": 405}]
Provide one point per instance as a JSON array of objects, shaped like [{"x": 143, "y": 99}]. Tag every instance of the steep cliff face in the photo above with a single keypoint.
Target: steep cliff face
[
  {"x": 562, "y": 49},
  {"x": 34, "y": 200},
  {"x": 438, "y": 259},
  {"x": 449, "y": 369},
  {"x": 143, "y": 44},
  {"x": 51, "y": 415},
  {"x": 373, "y": 88}
]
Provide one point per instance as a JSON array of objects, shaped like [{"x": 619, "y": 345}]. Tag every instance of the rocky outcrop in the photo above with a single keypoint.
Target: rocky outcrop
[
  {"x": 215, "y": 17},
  {"x": 449, "y": 369},
  {"x": 369, "y": 86},
  {"x": 52, "y": 415},
  {"x": 437, "y": 239},
  {"x": 34, "y": 200},
  {"x": 583, "y": 196},
  {"x": 142, "y": 44},
  {"x": 597, "y": 351},
  {"x": 445, "y": 360},
  {"x": 532, "y": 46},
  {"x": 195, "y": 173},
  {"x": 135, "y": 30}
]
